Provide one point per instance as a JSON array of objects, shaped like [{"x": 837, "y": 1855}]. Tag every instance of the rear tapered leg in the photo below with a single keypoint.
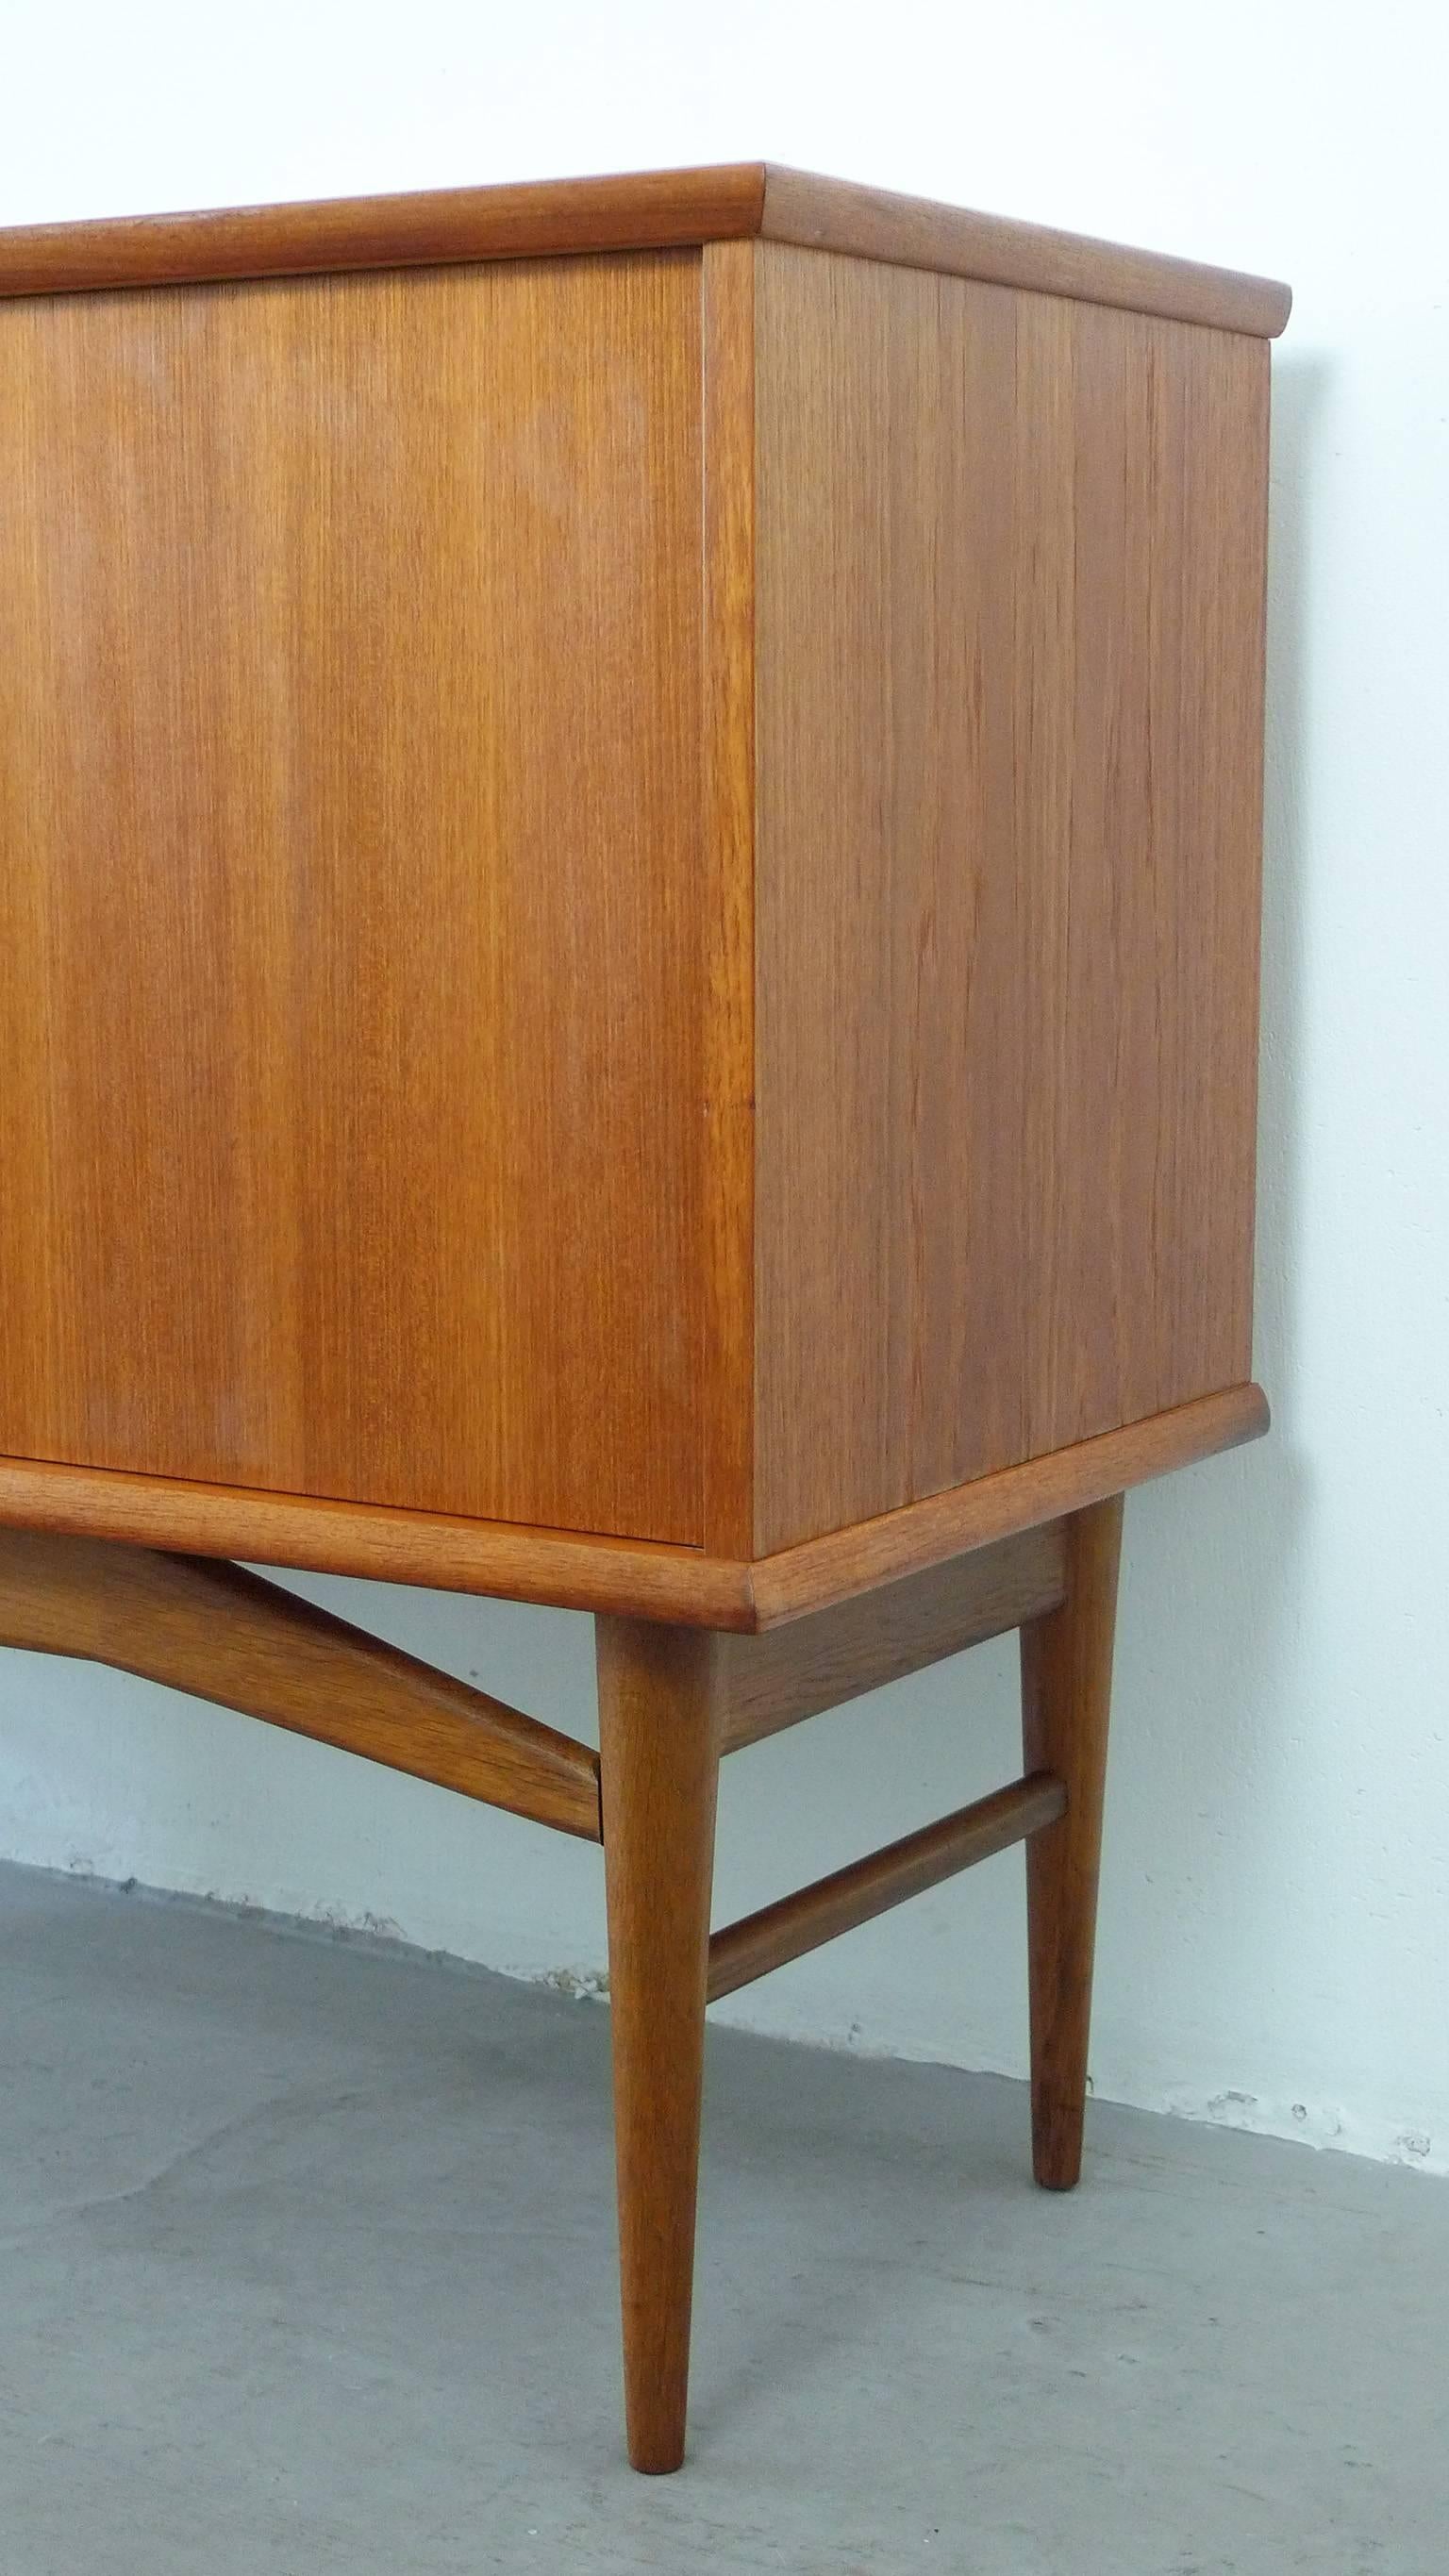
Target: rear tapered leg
[
  {"x": 659, "y": 1741},
  {"x": 1066, "y": 1680}
]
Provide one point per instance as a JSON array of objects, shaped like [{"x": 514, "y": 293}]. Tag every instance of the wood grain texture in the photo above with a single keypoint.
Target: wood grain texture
[
  {"x": 655, "y": 208},
  {"x": 1066, "y": 1695},
  {"x": 225, "y": 1635},
  {"x": 751, "y": 1948},
  {"x": 850, "y": 1561},
  {"x": 632, "y": 1578},
  {"x": 728, "y": 895},
  {"x": 642, "y": 210},
  {"x": 1009, "y": 686},
  {"x": 659, "y": 1739},
  {"x": 775, "y": 1679},
  {"x": 350, "y": 1033},
  {"x": 916, "y": 232}
]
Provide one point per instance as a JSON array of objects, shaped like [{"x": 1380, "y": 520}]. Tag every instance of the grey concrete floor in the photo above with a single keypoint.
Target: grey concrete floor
[{"x": 308, "y": 2266}]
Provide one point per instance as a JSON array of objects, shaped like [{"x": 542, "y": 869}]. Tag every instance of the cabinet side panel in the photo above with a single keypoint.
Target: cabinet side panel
[
  {"x": 728, "y": 884},
  {"x": 352, "y": 981},
  {"x": 1009, "y": 637}
]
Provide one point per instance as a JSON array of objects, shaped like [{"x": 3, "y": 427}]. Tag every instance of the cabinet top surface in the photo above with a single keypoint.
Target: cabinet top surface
[{"x": 643, "y": 210}]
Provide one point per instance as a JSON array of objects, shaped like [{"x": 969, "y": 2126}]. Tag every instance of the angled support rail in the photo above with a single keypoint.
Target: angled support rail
[{"x": 211, "y": 1628}]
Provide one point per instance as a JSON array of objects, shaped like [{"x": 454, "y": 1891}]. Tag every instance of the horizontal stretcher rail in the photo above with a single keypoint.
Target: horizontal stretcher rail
[{"x": 795, "y": 1924}]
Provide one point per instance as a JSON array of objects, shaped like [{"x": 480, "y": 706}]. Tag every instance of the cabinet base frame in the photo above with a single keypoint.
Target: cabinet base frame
[
  {"x": 636, "y": 1578},
  {"x": 674, "y": 1698}
]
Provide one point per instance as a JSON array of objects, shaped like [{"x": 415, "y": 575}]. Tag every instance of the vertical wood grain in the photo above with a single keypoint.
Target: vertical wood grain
[
  {"x": 728, "y": 894},
  {"x": 1009, "y": 641},
  {"x": 350, "y": 828},
  {"x": 1066, "y": 1693},
  {"x": 660, "y": 1717}
]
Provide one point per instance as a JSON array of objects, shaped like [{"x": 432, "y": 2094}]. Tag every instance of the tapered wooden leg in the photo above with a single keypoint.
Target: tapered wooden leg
[
  {"x": 659, "y": 1743},
  {"x": 1066, "y": 1679}
]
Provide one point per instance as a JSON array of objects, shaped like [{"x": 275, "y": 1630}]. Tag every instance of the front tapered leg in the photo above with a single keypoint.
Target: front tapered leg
[
  {"x": 659, "y": 1737},
  {"x": 1066, "y": 1677}
]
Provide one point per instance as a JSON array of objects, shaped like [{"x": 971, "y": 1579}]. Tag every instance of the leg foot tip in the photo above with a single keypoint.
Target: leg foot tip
[{"x": 656, "y": 2461}]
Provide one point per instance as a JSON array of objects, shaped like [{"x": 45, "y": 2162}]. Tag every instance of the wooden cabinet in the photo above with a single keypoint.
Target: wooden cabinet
[
  {"x": 630, "y": 824},
  {"x": 629, "y": 892}
]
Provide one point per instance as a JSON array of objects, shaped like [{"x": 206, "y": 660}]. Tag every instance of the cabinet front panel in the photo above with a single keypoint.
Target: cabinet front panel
[{"x": 350, "y": 984}]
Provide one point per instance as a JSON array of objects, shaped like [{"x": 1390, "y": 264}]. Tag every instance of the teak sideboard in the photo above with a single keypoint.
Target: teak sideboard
[{"x": 630, "y": 822}]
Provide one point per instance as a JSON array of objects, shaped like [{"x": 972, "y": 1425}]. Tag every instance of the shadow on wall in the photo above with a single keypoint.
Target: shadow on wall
[{"x": 1203, "y": 1783}]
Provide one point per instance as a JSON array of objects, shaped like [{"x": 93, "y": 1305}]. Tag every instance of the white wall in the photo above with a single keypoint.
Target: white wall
[{"x": 1276, "y": 1915}]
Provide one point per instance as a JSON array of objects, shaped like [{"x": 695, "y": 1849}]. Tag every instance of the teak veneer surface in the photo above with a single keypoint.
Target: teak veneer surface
[
  {"x": 1009, "y": 622},
  {"x": 727, "y": 725},
  {"x": 350, "y": 1052},
  {"x": 648, "y": 209},
  {"x": 628, "y": 884}
]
